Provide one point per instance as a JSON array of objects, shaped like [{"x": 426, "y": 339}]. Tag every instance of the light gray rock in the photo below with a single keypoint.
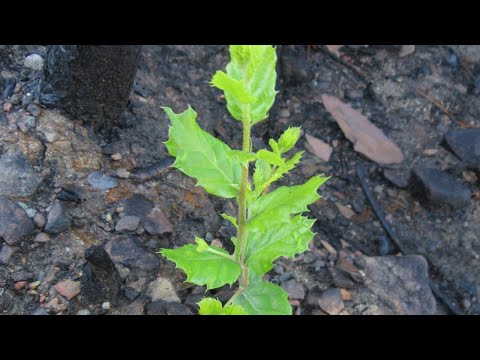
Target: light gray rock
[
  {"x": 15, "y": 224},
  {"x": 17, "y": 177},
  {"x": 162, "y": 289}
]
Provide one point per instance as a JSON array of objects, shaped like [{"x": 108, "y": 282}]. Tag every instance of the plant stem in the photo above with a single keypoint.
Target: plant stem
[{"x": 242, "y": 203}]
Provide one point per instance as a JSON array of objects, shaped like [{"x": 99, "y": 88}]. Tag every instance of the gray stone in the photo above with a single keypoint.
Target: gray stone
[
  {"x": 101, "y": 181},
  {"x": 84, "y": 312},
  {"x": 469, "y": 53},
  {"x": 30, "y": 121},
  {"x": 33, "y": 109},
  {"x": 22, "y": 275},
  {"x": 58, "y": 220},
  {"x": 400, "y": 286},
  {"x": 138, "y": 205},
  {"x": 156, "y": 308},
  {"x": 41, "y": 312},
  {"x": 3, "y": 118},
  {"x": 128, "y": 251},
  {"x": 175, "y": 308},
  {"x": 17, "y": 178},
  {"x": 162, "y": 289},
  {"x": 465, "y": 144},
  {"x": 6, "y": 253},
  {"x": 331, "y": 301},
  {"x": 127, "y": 223},
  {"x": 156, "y": 223},
  {"x": 295, "y": 290},
  {"x": 439, "y": 188},
  {"x": 15, "y": 224},
  {"x": 34, "y": 62},
  {"x": 31, "y": 212}
]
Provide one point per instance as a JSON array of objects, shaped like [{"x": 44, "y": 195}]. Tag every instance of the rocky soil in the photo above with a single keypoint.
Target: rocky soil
[{"x": 83, "y": 213}]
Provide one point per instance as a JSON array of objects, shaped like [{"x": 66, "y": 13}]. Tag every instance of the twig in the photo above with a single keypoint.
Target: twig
[
  {"x": 386, "y": 225},
  {"x": 437, "y": 103},
  {"x": 359, "y": 72}
]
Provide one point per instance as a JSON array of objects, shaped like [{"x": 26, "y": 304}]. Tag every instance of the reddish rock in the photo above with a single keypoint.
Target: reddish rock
[
  {"x": 331, "y": 301},
  {"x": 68, "y": 288},
  {"x": 20, "y": 285},
  {"x": 7, "y": 107},
  {"x": 156, "y": 223}
]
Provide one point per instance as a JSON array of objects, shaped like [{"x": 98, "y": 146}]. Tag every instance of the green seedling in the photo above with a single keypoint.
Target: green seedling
[{"x": 269, "y": 224}]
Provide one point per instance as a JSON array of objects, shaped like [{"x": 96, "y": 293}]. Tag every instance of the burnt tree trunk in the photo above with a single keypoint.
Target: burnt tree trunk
[{"x": 91, "y": 83}]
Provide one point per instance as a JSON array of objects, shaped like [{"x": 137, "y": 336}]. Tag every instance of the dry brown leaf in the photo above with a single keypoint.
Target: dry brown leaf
[
  {"x": 406, "y": 50},
  {"x": 334, "y": 49},
  {"x": 366, "y": 137},
  {"x": 319, "y": 148}
]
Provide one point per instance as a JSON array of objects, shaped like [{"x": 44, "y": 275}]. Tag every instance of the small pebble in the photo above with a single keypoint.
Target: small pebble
[
  {"x": 31, "y": 212},
  {"x": 42, "y": 238},
  {"x": 123, "y": 173},
  {"x": 34, "y": 62},
  {"x": 34, "y": 285},
  {"x": 84, "y": 312},
  {"x": 117, "y": 156},
  {"x": 39, "y": 220},
  {"x": 7, "y": 107},
  {"x": 430, "y": 152},
  {"x": 106, "y": 306},
  {"x": 217, "y": 243},
  {"x": 20, "y": 285},
  {"x": 40, "y": 311}
]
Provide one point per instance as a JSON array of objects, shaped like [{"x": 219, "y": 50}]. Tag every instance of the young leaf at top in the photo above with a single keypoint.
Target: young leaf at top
[
  {"x": 264, "y": 298},
  {"x": 213, "y": 269},
  {"x": 249, "y": 81},
  {"x": 277, "y": 206},
  {"x": 280, "y": 240},
  {"x": 288, "y": 139},
  {"x": 211, "y": 306},
  {"x": 202, "y": 156}
]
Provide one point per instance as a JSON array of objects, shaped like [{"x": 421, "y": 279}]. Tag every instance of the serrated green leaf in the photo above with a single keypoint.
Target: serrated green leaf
[
  {"x": 277, "y": 174},
  {"x": 270, "y": 157},
  {"x": 204, "y": 268},
  {"x": 202, "y": 156},
  {"x": 288, "y": 139},
  {"x": 235, "y": 87},
  {"x": 211, "y": 306},
  {"x": 281, "y": 240},
  {"x": 274, "y": 145},
  {"x": 231, "y": 219},
  {"x": 254, "y": 67},
  {"x": 262, "y": 174},
  {"x": 244, "y": 156},
  {"x": 202, "y": 245},
  {"x": 278, "y": 206},
  {"x": 264, "y": 298}
]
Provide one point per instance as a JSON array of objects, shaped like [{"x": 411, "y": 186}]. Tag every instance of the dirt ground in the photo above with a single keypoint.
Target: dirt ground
[{"x": 415, "y": 100}]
